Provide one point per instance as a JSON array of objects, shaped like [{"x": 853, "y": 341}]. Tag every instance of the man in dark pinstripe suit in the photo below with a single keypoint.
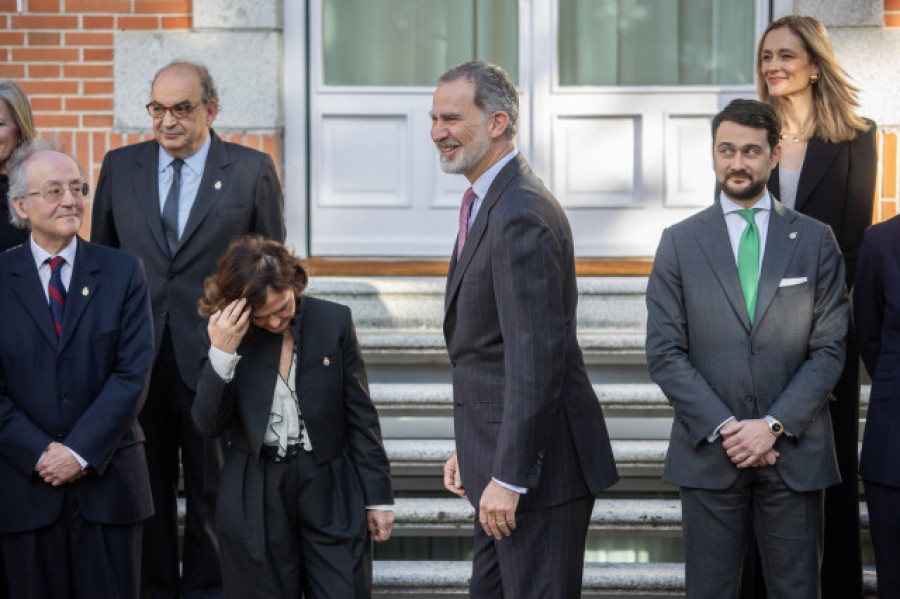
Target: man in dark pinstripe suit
[{"x": 532, "y": 446}]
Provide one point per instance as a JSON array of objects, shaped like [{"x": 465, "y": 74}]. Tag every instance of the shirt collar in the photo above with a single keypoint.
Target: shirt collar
[
  {"x": 40, "y": 254},
  {"x": 483, "y": 183},
  {"x": 195, "y": 161},
  {"x": 729, "y": 206}
]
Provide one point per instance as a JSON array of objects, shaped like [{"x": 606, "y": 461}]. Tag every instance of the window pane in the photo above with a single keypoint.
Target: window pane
[
  {"x": 411, "y": 42},
  {"x": 656, "y": 42}
]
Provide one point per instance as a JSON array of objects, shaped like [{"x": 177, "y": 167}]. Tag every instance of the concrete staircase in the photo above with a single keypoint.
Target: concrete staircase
[{"x": 398, "y": 323}]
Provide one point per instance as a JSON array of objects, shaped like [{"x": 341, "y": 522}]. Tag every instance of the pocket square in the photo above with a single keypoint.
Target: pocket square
[{"x": 791, "y": 281}]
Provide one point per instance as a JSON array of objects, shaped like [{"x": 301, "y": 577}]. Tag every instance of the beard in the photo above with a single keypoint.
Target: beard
[
  {"x": 468, "y": 156},
  {"x": 753, "y": 188}
]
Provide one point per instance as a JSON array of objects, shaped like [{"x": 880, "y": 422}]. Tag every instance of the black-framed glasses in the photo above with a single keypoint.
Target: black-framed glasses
[
  {"x": 53, "y": 194},
  {"x": 182, "y": 110}
]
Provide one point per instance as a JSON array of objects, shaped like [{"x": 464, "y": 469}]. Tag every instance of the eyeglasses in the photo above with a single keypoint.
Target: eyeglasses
[
  {"x": 182, "y": 110},
  {"x": 54, "y": 193}
]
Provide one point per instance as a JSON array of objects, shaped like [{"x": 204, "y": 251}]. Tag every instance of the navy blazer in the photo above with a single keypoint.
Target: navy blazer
[
  {"x": 238, "y": 194},
  {"x": 876, "y": 308},
  {"x": 84, "y": 390}
]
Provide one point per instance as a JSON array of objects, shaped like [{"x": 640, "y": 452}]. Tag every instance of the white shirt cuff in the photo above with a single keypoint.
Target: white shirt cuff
[
  {"x": 715, "y": 434},
  {"x": 381, "y": 508},
  {"x": 519, "y": 490},
  {"x": 223, "y": 363}
]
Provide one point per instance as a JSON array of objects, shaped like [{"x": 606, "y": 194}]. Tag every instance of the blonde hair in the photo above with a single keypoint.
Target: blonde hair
[
  {"x": 834, "y": 97},
  {"x": 19, "y": 108}
]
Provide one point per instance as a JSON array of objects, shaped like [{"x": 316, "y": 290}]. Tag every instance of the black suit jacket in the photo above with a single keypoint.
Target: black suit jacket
[
  {"x": 524, "y": 409},
  {"x": 238, "y": 194},
  {"x": 877, "y": 313},
  {"x": 84, "y": 390},
  {"x": 332, "y": 390},
  {"x": 837, "y": 187}
]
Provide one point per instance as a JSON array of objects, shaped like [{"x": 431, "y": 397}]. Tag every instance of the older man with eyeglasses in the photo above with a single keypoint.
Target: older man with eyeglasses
[
  {"x": 75, "y": 358},
  {"x": 176, "y": 202}
]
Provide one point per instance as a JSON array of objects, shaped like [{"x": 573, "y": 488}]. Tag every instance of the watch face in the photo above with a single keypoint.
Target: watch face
[{"x": 776, "y": 427}]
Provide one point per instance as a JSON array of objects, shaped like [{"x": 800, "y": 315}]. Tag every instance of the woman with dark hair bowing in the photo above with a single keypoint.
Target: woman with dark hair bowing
[
  {"x": 306, "y": 476},
  {"x": 826, "y": 171},
  {"x": 16, "y": 127}
]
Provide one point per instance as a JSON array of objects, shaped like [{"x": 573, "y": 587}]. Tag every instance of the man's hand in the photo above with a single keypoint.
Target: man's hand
[
  {"x": 497, "y": 510},
  {"x": 59, "y": 466},
  {"x": 749, "y": 443},
  {"x": 380, "y": 524},
  {"x": 452, "y": 479}
]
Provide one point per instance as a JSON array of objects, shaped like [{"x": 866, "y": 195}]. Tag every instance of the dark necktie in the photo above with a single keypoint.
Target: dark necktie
[
  {"x": 748, "y": 259},
  {"x": 57, "y": 292},
  {"x": 465, "y": 212},
  {"x": 170, "y": 208}
]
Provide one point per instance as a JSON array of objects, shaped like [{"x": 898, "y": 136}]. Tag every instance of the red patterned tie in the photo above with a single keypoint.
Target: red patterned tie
[
  {"x": 465, "y": 212},
  {"x": 57, "y": 292}
]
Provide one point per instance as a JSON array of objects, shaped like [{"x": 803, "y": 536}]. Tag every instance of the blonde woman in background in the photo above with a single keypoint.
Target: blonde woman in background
[{"x": 16, "y": 127}]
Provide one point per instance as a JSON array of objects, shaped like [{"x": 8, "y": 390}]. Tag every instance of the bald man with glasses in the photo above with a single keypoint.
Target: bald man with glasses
[{"x": 176, "y": 202}]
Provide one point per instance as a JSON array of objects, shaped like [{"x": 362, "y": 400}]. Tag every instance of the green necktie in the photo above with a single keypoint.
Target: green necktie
[{"x": 748, "y": 259}]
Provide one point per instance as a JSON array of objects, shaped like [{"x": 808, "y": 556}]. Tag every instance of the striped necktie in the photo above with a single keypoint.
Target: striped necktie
[{"x": 57, "y": 292}]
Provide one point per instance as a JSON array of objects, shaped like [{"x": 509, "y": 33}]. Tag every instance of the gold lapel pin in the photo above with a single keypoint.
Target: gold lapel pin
[
  {"x": 793, "y": 235},
  {"x": 85, "y": 291},
  {"x": 218, "y": 185},
  {"x": 326, "y": 361}
]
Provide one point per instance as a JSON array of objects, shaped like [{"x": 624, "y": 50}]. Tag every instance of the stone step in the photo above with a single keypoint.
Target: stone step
[
  {"x": 444, "y": 579},
  {"x": 618, "y": 399}
]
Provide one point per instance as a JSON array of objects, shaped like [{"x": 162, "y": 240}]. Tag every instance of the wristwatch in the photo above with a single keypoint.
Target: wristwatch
[{"x": 775, "y": 427}]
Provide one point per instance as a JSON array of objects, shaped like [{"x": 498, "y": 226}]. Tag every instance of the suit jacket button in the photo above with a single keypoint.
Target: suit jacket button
[
  {"x": 63, "y": 397},
  {"x": 749, "y": 398},
  {"x": 754, "y": 350}
]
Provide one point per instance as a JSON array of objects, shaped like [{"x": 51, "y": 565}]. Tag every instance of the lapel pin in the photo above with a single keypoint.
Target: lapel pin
[
  {"x": 218, "y": 185},
  {"x": 85, "y": 291},
  {"x": 326, "y": 361},
  {"x": 793, "y": 235}
]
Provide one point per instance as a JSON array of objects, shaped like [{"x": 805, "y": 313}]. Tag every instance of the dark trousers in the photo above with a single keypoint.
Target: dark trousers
[
  {"x": 884, "y": 523},
  {"x": 543, "y": 558},
  {"x": 74, "y": 559},
  {"x": 788, "y": 527},
  {"x": 166, "y": 420}
]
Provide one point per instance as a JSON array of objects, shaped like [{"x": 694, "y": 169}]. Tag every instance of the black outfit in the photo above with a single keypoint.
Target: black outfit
[
  {"x": 837, "y": 187},
  {"x": 297, "y": 526},
  {"x": 10, "y": 235}
]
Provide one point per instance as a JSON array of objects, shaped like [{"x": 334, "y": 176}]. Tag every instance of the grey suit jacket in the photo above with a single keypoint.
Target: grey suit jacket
[
  {"x": 238, "y": 194},
  {"x": 525, "y": 412},
  {"x": 712, "y": 364}
]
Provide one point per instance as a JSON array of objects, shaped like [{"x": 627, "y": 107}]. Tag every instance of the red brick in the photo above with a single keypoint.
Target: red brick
[
  {"x": 12, "y": 71},
  {"x": 98, "y": 147},
  {"x": 37, "y": 70},
  {"x": 161, "y": 6},
  {"x": 51, "y": 22},
  {"x": 115, "y": 141},
  {"x": 891, "y": 5},
  {"x": 43, "y": 38},
  {"x": 268, "y": 145},
  {"x": 45, "y": 54},
  {"x": 252, "y": 141},
  {"x": 94, "y": 88},
  {"x": 57, "y": 87},
  {"x": 176, "y": 22},
  {"x": 97, "y": 54},
  {"x": 53, "y": 121},
  {"x": 64, "y": 139},
  {"x": 91, "y": 22},
  {"x": 888, "y": 209},
  {"x": 124, "y": 23},
  {"x": 96, "y": 120},
  {"x": 43, "y": 5},
  {"x": 891, "y": 19},
  {"x": 889, "y": 166},
  {"x": 8, "y": 5},
  {"x": 82, "y": 71},
  {"x": 46, "y": 103},
  {"x": 101, "y": 6},
  {"x": 82, "y": 147},
  {"x": 12, "y": 38},
  {"x": 77, "y": 38},
  {"x": 89, "y": 104}
]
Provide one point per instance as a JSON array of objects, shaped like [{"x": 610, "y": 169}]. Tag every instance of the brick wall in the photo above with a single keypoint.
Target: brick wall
[
  {"x": 892, "y": 13},
  {"x": 61, "y": 53},
  {"x": 887, "y": 192}
]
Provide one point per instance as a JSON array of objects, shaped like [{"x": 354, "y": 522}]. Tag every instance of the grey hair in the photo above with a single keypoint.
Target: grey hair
[
  {"x": 494, "y": 90},
  {"x": 207, "y": 85},
  {"x": 18, "y": 173}
]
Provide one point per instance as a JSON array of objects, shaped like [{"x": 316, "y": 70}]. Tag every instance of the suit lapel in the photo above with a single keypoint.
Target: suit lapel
[
  {"x": 146, "y": 193},
  {"x": 83, "y": 288},
  {"x": 212, "y": 185},
  {"x": 712, "y": 239},
  {"x": 28, "y": 289},
  {"x": 781, "y": 241},
  {"x": 458, "y": 267},
  {"x": 818, "y": 159}
]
